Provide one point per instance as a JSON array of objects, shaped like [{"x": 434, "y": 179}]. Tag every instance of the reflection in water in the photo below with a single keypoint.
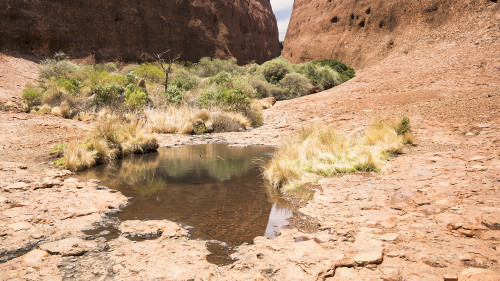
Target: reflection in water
[
  {"x": 216, "y": 190},
  {"x": 278, "y": 218}
]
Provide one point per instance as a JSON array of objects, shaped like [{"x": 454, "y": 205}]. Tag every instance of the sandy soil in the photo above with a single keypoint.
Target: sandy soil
[{"x": 432, "y": 213}]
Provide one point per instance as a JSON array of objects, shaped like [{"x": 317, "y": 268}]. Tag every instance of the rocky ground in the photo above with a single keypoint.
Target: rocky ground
[{"x": 433, "y": 213}]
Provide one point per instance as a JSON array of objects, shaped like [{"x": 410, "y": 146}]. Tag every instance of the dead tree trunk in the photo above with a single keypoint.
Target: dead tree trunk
[{"x": 166, "y": 59}]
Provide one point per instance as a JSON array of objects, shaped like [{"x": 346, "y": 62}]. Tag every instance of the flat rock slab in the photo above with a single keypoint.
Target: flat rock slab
[
  {"x": 69, "y": 247},
  {"x": 478, "y": 274}
]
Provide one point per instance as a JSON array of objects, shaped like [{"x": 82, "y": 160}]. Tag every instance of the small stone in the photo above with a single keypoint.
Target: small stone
[
  {"x": 69, "y": 247},
  {"x": 402, "y": 195},
  {"x": 117, "y": 268},
  {"x": 16, "y": 186},
  {"x": 470, "y": 134},
  {"x": 3, "y": 200},
  {"x": 389, "y": 237},
  {"x": 450, "y": 277},
  {"x": 34, "y": 257},
  {"x": 374, "y": 257},
  {"x": 478, "y": 274}
]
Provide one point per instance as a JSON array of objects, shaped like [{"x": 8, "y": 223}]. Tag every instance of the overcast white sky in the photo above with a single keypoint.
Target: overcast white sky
[{"x": 283, "y": 10}]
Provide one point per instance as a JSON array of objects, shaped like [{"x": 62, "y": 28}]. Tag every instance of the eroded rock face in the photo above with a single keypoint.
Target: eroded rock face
[
  {"x": 363, "y": 32},
  {"x": 133, "y": 30}
]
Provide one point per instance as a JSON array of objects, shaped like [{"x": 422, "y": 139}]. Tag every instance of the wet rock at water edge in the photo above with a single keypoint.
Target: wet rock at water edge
[{"x": 69, "y": 247}]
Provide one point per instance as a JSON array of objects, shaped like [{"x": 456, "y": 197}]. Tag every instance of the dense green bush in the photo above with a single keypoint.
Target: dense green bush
[
  {"x": 106, "y": 94},
  {"x": 150, "y": 72},
  {"x": 221, "y": 78},
  {"x": 344, "y": 71},
  {"x": 31, "y": 95},
  {"x": 321, "y": 77},
  {"x": 57, "y": 68},
  {"x": 264, "y": 88},
  {"x": 72, "y": 86},
  {"x": 184, "y": 80},
  {"x": 295, "y": 85},
  {"x": 231, "y": 99},
  {"x": 135, "y": 97},
  {"x": 275, "y": 70},
  {"x": 208, "y": 67},
  {"x": 174, "y": 95}
]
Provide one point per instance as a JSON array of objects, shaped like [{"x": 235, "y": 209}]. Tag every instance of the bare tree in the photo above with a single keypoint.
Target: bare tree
[{"x": 166, "y": 59}]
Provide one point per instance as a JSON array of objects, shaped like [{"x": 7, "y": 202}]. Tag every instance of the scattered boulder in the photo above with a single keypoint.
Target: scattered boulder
[
  {"x": 69, "y": 247},
  {"x": 34, "y": 257},
  {"x": 372, "y": 257}
]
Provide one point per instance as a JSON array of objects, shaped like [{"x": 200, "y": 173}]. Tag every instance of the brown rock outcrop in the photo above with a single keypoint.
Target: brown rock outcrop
[
  {"x": 363, "y": 32},
  {"x": 133, "y": 30}
]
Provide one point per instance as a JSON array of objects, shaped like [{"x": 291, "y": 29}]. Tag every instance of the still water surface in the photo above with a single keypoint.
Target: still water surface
[{"x": 216, "y": 190}]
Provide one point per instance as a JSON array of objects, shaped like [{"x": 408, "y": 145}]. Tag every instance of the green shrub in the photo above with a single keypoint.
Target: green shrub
[
  {"x": 92, "y": 76},
  {"x": 131, "y": 79},
  {"x": 221, "y": 78},
  {"x": 321, "y": 77},
  {"x": 53, "y": 93},
  {"x": 345, "y": 72},
  {"x": 57, "y": 68},
  {"x": 72, "y": 86},
  {"x": 106, "y": 94},
  {"x": 31, "y": 95},
  {"x": 208, "y": 67},
  {"x": 135, "y": 97},
  {"x": 110, "y": 67},
  {"x": 174, "y": 95},
  {"x": 275, "y": 70},
  {"x": 150, "y": 72},
  {"x": 231, "y": 99},
  {"x": 295, "y": 85},
  {"x": 184, "y": 80},
  {"x": 264, "y": 88},
  {"x": 252, "y": 68}
]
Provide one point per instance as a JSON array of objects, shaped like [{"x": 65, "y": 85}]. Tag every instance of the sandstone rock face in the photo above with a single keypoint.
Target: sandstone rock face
[
  {"x": 363, "y": 32},
  {"x": 132, "y": 29}
]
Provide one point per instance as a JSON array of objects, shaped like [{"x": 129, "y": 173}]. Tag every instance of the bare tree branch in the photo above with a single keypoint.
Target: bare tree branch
[{"x": 166, "y": 63}]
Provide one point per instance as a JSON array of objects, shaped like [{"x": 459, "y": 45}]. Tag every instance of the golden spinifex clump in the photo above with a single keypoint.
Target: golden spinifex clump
[
  {"x": 322, "y": 151},
  {"x": 113, "y": 137}
]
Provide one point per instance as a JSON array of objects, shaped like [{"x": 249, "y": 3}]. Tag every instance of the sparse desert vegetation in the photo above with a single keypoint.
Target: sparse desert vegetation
[
  {"x": 322, "y": 151},
  {"x": 73, "y": 90},
  {"x": 213, "y": 95}
]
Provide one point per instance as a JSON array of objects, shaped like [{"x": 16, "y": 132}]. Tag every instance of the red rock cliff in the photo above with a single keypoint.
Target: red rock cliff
[
  {"x": 133, "y": 30},
  {"x": 363, "y": 32}
]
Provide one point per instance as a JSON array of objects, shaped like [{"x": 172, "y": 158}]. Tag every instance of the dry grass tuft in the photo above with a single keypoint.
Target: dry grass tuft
[
  {"x": 77, "y": 157},
  {"x": 113, "y": 137},
  {"x": 177, "y": 120},
  {"x": 319, "y": 152},
  {"x": 186, "y": 120}
]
